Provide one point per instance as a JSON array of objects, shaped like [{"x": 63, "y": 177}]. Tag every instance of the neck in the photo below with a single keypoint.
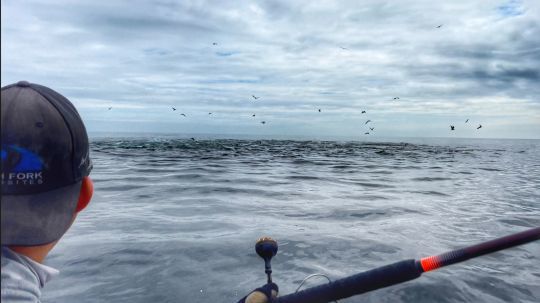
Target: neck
[{"x": 36, "y": 253}]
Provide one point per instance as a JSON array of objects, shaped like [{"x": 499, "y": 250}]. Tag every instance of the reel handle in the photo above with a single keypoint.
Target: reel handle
[{"x": 267, "y": 248}]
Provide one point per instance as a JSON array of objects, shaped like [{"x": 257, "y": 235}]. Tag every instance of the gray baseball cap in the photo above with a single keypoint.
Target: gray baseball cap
[{"x": 45, "y": 156}]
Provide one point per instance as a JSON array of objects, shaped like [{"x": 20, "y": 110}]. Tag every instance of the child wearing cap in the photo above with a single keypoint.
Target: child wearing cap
[{"x": 45, "y": 183}]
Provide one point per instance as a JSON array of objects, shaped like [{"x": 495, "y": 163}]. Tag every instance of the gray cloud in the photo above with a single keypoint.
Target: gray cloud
[{"x": 145, "y": 56}]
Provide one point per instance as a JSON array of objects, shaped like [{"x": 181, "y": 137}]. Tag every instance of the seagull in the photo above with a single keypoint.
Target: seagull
[
  {"x": 366, "y": 133},
  {"x": 255, "y": 97},
  {"x": 263, "y": 122},
  {"x": 466, "y": 120},
  {"x": 173, "y": 109},
  {"x": 439, "y": 26},
  {"x": 253, "y": 115},
  {"x": 319, "y": 110},
  {"x": 452, "y": 127},
  {"x": 396, "y": 98},
  {"x": 110, "y": 108},
  {"x": 363, "y": 112},
  {"x": 367, "y": 122},
  {"x": 183, "y": 115},
  {"x": 343, "y": 48},
  {"x": 479, "y": 126},
  {"x": 215, "y": 43},
  {"x": 209, "y": 113},
  {"x": 372, "y": 128}
]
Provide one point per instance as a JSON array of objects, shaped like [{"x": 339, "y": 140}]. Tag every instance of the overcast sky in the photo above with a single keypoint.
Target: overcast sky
[{"x": 144, "y": 57}]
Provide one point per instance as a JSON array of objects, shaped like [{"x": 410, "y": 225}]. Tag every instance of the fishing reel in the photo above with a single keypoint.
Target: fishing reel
[{"x": 267, "y": 248}]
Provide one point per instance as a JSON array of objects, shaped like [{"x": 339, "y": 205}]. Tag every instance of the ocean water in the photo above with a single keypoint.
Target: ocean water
[{"x": 176, "y": 220}]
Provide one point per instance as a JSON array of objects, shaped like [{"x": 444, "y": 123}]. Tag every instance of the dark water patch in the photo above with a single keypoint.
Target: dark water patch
[
  {"x": 341, "y": 166},
  {"x": 382, "y": 213},
  {"x": 155, "y": 170},
  {"x": 204, "y": 169},
  {"x": 342, "y": 215},
  {"x": 221, "y": 190},
  {"x": 301, "y": 215},
  {"x": 384, "y": 153},
  {"x": 191, "y": 177},
  {"x": 162, "y": 160},
  {"x": 303, "y": 177},
  {"x": 374, "y": 185},
  {"x": 463, "y": 172},
  {"x": 120, "y": 188},
  {"x": 430, "y": 193},
  {"x": 220, "y": 157},
  {"x": 302, "y": 161},
  {"x": 406, "y": 167},
  {"x": 369, "y": 214},
  {"x": 489, "y": 169},
  {"x": 430, "y": 179}
]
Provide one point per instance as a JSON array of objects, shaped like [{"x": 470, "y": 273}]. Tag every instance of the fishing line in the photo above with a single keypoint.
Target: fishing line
[{"x": 311, "y": 276}]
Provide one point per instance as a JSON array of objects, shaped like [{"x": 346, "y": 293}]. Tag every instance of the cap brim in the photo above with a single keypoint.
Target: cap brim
[{"x": 29, "y": 220}]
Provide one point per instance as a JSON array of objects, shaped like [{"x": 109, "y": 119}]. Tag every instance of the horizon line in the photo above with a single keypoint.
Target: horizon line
[{"x": 290, "y": 137}]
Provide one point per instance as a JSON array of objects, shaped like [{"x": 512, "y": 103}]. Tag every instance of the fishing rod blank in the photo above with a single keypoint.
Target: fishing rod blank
[{"x": 403, "y": 271}]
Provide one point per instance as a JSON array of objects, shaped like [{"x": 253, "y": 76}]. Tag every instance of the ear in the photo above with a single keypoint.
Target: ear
[{"x": 87, "y": 189}]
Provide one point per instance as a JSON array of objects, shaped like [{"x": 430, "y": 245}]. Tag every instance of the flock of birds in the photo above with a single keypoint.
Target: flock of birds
[
  {"x": 452, "y": 127},
  {"x": 255, "y": 98}
]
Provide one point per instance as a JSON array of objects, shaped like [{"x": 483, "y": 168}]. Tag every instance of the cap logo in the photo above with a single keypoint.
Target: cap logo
[{"x": 20, "y": 166}]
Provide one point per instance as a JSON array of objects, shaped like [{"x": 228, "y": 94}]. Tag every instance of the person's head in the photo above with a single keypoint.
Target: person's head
[{"x": 45, "y": 165}]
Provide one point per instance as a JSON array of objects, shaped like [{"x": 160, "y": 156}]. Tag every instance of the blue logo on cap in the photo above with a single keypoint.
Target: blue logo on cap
[
  {"x": 20, "y": 167},
  {"x": 18, "y": 159}
]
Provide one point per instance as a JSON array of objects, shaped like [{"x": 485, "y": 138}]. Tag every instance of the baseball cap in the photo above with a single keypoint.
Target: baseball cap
[{"x": 45, "y": 156}]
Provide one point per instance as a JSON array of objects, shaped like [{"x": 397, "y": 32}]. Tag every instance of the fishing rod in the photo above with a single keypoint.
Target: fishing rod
[{"x": 388, "y": 275}]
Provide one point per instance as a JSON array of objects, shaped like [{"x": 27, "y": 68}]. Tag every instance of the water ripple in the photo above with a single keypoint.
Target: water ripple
[{"x": 174, "y": 219}]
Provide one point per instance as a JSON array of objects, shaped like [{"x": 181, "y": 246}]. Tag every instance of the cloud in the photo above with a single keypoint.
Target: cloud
[{"x": 146, "y": 56}]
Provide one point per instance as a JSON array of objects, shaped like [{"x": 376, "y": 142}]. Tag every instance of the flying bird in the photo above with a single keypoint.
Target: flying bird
[
  {"x": 479, "y": 126},
  {"x": 367, "y": 122},
  {"x": 466, "y": 120},
  {"x": 209, "y": 113},
  {"x": 452, "y": 127},
  {"x": 253, "y": 115},
  {"x": 439, "y": 26},
  {"x": 366, "y": 133},
  {"x": 343, "y": 48},
  {"x": 396, "y": 98},
  {"x": 372, "y": 128},
  {"x": 363, "y": 112},
  {"x": 110, "y": 108},
  {"x": 173, "y": 109},
  {"x": 215, "y": 43},
  {"x": 263, "y": 122},
  {"x": 255, "y": 97},
  {"x": 192, "y": 139},
  {"x": 319, "y": 110},
  {"x": 183, "y": 115}
]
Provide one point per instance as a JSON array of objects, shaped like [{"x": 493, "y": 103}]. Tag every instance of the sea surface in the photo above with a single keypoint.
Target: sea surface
[{"x": 176, "y": 220}]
